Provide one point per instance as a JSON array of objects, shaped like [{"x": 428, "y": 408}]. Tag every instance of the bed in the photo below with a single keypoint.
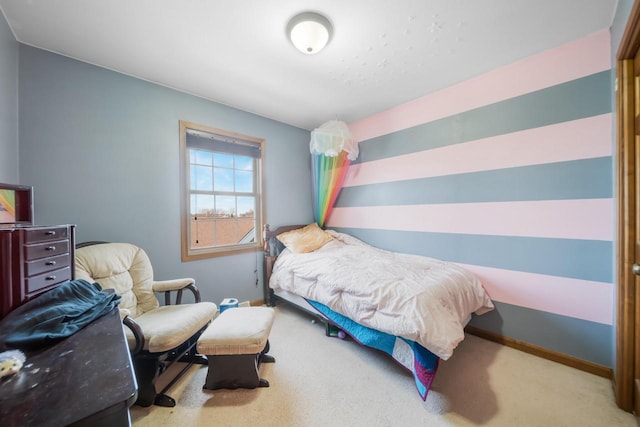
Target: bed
[{"x": 413, "y": 308}]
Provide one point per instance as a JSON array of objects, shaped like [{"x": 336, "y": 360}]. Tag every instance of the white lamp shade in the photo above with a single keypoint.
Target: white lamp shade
[{"x": 309, "y": 32}]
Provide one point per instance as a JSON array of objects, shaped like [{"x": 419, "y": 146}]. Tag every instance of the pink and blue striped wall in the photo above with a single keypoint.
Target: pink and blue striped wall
[{"x": 511, "y": 175}]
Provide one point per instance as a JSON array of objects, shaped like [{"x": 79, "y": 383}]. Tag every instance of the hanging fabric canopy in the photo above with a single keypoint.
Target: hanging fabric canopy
[{"x": 332, "y": 151}]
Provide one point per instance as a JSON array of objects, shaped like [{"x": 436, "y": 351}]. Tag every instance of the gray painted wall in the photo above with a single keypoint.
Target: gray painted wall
[
  {"x": 8, "y": 104},
  {"x": 102, "y": 151}
]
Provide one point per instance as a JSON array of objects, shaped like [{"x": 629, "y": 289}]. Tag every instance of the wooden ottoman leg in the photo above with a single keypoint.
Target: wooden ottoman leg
[
  {"x": 237, "y": 370},
  {"x": 232, "y": 371},
  {"x": 264, "y": 357}
]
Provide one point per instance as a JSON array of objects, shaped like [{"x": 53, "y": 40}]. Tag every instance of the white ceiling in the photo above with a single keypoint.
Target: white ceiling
[{"x": 383, "y": 52}]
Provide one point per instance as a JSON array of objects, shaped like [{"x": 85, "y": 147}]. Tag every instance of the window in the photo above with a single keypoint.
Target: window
[{"x": 221, "y": 192}]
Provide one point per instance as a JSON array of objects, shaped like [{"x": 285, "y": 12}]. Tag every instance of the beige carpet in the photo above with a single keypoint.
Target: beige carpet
[{"x": 320, "y": 381}]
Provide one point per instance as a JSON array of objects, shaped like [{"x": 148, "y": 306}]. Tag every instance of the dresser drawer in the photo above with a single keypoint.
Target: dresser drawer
[
  {"x": 34, "y": 260},
  {"x": 46, "y": 264},
  {"x": 44, "y": 234},
  {"x": 51, "y": 278},
  {"x": 47, "y": 249}
]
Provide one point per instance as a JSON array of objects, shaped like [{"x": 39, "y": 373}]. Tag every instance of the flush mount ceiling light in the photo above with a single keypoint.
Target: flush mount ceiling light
[{"x": 309, "y": 32}]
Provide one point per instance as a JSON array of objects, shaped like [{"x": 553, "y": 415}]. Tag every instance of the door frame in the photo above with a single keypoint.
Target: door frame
[{"x": 626, "y": 193}]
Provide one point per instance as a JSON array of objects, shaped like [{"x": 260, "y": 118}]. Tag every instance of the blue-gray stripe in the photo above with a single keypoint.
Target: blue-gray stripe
[
  {"x": 577, "y": 259},
  {"x": 576, "y": 179},
  {"x": 585, "y": 97},
  {"x": 587, "y": 340}
]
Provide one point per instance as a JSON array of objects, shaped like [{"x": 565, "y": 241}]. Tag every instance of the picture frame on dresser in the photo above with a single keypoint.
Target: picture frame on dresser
[{"x": 16, "y": 205}]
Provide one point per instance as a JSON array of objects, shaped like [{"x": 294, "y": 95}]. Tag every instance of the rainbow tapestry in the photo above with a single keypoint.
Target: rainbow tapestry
[
  {"x": 328, "y": 176},
  {"x": 332, "y": 150}
]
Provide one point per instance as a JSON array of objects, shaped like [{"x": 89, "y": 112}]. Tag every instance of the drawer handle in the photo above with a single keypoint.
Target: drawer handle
[
  {"x": 51, "y": 277},
  {"x": 50, "y": 263},
  {"x": 50, "y": 248},
  {"x": 51, "y": 233}
]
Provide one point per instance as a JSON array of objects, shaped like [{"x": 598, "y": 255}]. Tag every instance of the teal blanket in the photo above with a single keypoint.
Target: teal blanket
[
  {"x": 418, "y": 360},
  {"x": 55, "y": 315}
]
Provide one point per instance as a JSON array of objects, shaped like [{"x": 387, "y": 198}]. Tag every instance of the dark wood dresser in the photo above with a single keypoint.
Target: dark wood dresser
[{"x": 33, "y": 260}]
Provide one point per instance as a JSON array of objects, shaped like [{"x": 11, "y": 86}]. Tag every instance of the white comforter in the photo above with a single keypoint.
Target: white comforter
[{"x": 418, "y": 298}]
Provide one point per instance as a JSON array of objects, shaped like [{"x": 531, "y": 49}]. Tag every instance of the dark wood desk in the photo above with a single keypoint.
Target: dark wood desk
[{"x": 85, "y": 379}]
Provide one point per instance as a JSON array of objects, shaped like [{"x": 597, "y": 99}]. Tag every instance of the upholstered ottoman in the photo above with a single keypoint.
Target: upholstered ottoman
[{"x": 235, "y": 343}]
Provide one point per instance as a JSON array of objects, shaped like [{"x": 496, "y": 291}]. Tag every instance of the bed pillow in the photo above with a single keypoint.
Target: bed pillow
[{"x": 305, "y": 239}]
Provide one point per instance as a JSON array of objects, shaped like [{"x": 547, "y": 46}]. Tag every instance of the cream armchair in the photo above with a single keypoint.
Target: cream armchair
[{"x": 157, "y": 335}]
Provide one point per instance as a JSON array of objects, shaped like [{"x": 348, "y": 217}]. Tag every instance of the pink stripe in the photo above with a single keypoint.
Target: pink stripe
[
  {"x": 564, "y": 219},
  {"x": 578, "y": 139},
  {"x": 589, "y": 300},
  {"x": 568, "y": 62}
]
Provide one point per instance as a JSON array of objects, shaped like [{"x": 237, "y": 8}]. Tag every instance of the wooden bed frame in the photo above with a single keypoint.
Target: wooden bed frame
[{"x": 272, "y": 249}]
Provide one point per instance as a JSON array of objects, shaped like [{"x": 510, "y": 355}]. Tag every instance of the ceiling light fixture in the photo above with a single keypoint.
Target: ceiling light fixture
[{"x": 309, "y": 32}]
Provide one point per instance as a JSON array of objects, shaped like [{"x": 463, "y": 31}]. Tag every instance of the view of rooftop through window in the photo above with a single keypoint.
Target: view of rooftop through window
[{"x": 222, "y": 201}]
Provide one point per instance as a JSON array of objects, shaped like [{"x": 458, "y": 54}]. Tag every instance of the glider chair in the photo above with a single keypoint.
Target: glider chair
[{"x": 157, "y": 335}]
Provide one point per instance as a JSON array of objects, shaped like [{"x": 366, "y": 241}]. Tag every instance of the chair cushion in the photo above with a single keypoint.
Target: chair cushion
[
  {"x": 119, "y": 266},
  {"x": 166, "y": 327},
  {"x": 242, "y": 330}
]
